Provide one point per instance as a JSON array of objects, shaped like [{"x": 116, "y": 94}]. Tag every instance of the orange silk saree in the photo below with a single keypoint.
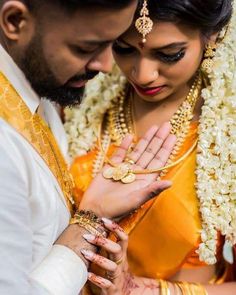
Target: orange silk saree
[{"x": 165, "y": 233}]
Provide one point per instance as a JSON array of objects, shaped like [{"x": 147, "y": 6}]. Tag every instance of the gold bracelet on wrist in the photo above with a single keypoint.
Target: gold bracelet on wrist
[
  {"x": 164, "y": 288},
  {"x": 89, "y": 221},
  {"x": 184, "y": 287},
  {"x": 191, "y": 288}
]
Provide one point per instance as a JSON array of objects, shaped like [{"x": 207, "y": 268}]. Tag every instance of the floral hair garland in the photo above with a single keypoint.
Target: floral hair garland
[{"x": 216, "y": 159}]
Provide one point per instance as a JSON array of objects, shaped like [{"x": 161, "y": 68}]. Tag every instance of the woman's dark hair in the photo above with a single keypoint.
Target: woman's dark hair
[{"x": 210, "y": 16}]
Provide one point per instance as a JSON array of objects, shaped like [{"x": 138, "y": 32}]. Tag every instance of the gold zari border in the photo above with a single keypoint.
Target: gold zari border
[{"x": 32, "y": 127}]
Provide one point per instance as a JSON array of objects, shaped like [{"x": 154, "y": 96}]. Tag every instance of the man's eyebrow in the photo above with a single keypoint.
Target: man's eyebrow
[{"x": 96, "y": 42}]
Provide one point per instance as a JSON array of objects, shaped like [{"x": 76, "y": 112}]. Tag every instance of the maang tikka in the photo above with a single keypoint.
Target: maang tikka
[{"x": 144, "y": 24}]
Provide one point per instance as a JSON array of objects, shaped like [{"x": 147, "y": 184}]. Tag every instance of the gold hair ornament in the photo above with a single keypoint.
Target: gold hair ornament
[{"x": 144, "y": 24}]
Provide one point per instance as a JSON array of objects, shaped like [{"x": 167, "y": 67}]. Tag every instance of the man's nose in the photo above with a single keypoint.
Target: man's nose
[{"x": 102, "y": 62}]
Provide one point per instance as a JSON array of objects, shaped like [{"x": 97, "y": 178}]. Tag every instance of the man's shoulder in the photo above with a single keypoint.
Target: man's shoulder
[{"x": 13, "y": 147}]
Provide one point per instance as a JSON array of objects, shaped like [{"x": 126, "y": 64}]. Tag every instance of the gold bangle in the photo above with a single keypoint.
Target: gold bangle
[
  {"x": 191, "y": 288},
  {"x": 86, "y": 226},
  {"x": 89, "y": 221},
  {"x": 164, "y": 287},
  {"x": 202, "y": 290}
]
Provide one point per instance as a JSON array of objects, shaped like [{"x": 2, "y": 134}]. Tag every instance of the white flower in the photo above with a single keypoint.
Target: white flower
[{"x": 216, "y": 158}]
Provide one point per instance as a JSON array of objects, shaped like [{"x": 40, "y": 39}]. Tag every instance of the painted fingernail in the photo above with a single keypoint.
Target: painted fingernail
[
  {"x": 89, "y": 237},
  {"x": 107, "y": 221},
  {"x": 88, "y": 254}
]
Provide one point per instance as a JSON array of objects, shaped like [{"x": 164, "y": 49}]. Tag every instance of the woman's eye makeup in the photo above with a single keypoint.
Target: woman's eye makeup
[
  {"x": 170, "y": 58},
  {"x": 123, "y": 49}
]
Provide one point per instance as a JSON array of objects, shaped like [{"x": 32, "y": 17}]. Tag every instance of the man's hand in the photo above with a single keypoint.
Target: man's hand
[
  {"x": 72, "y": 237},
  {"x": 111, "y": 199}
]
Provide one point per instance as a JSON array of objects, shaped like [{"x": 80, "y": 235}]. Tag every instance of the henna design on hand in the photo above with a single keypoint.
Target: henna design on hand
[
  {"x": 101, "y": 241},
  {"x": 115, "y": 227},
  {"x": 99, "y": 259},
  {"x": 150, "y": 285},
  {"x": 129, "y": 284},
  {"x": 97, "y": 280}
]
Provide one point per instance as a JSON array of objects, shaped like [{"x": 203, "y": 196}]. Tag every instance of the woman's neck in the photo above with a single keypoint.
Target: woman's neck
[{"x": 147, "y": 114}]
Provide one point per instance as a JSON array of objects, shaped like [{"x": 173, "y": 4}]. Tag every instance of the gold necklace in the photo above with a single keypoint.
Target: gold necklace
[
  {"x": 180, "y": 126},
  {"x": 119, "y": 117}
]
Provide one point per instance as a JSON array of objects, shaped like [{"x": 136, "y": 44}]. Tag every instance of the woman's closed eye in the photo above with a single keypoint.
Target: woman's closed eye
[
  {"x": 123, "y": 49},
  {"x": 120, "y": 48},
  {"x": 170, "y": 58}
]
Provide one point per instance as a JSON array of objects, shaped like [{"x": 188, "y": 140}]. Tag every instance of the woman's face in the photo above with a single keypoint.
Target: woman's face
[{"x": 166, "y": 63}]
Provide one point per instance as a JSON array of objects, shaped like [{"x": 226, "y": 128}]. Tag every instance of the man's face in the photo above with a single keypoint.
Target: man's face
[{"x": 65, "y": 50}]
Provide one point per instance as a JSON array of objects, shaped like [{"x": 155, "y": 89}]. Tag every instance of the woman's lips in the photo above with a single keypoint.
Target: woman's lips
[{"x": 152, "y": 91}]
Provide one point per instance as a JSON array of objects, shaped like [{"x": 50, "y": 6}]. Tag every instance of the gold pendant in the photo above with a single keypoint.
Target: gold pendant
[{"x": 131, "y": 177}]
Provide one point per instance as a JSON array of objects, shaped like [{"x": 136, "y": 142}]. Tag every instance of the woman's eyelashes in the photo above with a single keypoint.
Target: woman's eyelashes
[
  {"x": 163, "y": 57},
  {"x": 170, "y": 58}
]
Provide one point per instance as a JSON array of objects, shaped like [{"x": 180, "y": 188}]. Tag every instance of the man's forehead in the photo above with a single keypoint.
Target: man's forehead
[{"x": 103, "y": 24}]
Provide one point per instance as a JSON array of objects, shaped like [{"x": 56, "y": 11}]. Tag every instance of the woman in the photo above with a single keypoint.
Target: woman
[{"x": 180, "y": 70}]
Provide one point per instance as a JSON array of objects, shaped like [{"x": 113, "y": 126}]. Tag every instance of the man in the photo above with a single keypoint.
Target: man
[{"x": 49, "y": 49}]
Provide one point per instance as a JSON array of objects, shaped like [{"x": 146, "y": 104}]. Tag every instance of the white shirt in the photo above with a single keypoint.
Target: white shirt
[{"x": 33, "y": 211}]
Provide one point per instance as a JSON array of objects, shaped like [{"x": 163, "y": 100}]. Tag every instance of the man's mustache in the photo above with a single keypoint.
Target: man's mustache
[{"x": 83, "y": 77}]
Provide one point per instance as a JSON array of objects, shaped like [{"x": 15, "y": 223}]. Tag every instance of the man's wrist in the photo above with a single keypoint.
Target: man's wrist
[{"x": 78, "y": 243}]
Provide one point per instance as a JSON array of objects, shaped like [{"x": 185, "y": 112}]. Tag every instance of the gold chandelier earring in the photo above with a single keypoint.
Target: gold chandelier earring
[
  {"x": 144, "y": 24},
  {"x": 207, "y": 62}
]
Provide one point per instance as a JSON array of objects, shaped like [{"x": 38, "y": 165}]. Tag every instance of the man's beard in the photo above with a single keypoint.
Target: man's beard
[{"x": 44, "y": 82}]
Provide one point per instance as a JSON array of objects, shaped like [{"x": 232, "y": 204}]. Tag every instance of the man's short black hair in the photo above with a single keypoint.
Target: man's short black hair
[{"x": 75, "y": 4}]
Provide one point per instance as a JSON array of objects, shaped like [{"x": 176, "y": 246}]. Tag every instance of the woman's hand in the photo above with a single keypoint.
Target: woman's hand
[
  {"x": 115, "y": 265},
  {"x": 113, "y": 199}
]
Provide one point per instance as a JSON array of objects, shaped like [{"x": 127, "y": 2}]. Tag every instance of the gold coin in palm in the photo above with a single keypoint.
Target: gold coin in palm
[{"x": 121, "y": 171}]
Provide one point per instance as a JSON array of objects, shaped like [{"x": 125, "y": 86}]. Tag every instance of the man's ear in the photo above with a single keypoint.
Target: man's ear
[{"x": 15, "y": 19}]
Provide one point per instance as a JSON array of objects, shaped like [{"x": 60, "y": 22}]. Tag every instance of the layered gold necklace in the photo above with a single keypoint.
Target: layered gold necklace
[{"x": 118, "y": 122}]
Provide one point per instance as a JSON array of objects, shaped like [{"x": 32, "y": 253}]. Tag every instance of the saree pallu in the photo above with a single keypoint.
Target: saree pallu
[{"x": 165, "y": 233}]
